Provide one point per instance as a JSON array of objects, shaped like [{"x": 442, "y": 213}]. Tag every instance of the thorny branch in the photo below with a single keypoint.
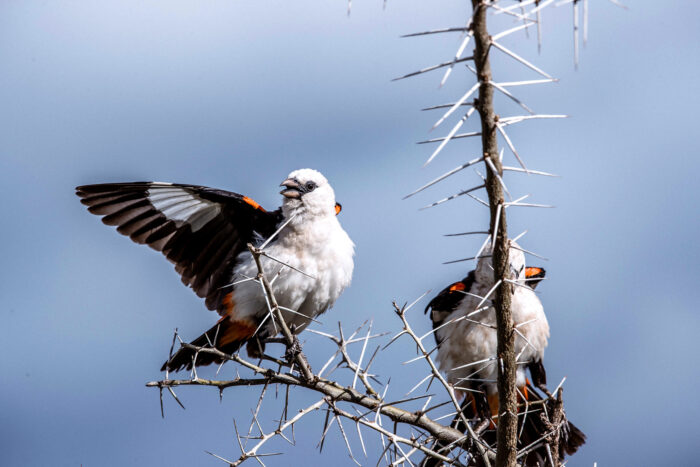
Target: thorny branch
[
  {"x": 507, "y": 395},
  {"x": 333, "y": 393},
  {"x": 370, "y": 409},
  {"x": 296, "y": 372},
  {"x": 490, "y": 127}
]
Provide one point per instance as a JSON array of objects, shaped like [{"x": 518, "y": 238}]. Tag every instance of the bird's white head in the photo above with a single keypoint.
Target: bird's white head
[
  {"x": 307, "y": 193},
  {"x": 484, "y": 269}
]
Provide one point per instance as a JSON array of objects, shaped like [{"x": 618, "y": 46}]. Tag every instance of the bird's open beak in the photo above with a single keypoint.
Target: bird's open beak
[{"x": 292, "y": 188}]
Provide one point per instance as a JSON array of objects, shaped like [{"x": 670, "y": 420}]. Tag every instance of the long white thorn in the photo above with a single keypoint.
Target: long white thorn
[
  {"x": 285, "y": 264},
  {"x": 478, "y": 307},
  {"x": 483, "y": 246},
  {"x": 529, "y": 171},
  {"x": 362, "y": 355},
  {"x": 519, "y": 236},
  {"x": 419, "y": 383},
  {"x": 616, "y": 3},
  {"x": 489, "y": 162},
  {"x": 300, "y": 314},
  {"x": 527, "y": 30},
  {"x": 457, "y": 104},
  {"x": 501, "y": 10},
  {"x": 445, "y": 106},
  {"x": 461, "y": 135},
  {"x": 512, "y": 120},
  {"x": 520, "y": 199},
  {"x": 538, "y": 17},
  {"x": 520, "y": 59},
  {"x": 576, "y": 34},
  {"x": 432, "y": 331},
  {"x": 478, "y": 200},
  {"x": 513, "y": 7},
  {"x": 450, "y": 135},
  {"x": 445, "y": 175},
  {"x": 473, "y": 363},
  {"x": 585, "y": 22},
  {"x": 527, "y": 82},
  {"x": 494, "y": 234},
  {"x": 458, "y": 55},
  {"x": 512, "y": 148},
  {"x": 529, "y": 252},
  {"x": 271, "y": 237},
  {"x": 461, "y": 260},
  {"x": 453, "y": 196},
  {"x": 474, "y": 232},
  {"x": 435, "y": 31},
  {"x": 431, "y": 68},
  {"x": 512, "y": 97},
  {"x": 529, "y": 205},
  {"x": 413, "y": 303},
  {"x": 511, "y": 30}
]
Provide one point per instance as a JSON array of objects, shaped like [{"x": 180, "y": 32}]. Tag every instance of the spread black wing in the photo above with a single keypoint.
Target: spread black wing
[
  {"x": 447, "y": 300},
  {"x": 201, "y": 230}
]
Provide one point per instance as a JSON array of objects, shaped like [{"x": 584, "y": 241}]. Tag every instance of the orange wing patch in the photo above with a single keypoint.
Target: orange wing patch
[
  {"x": 457, "y": 286},
  {"x": 532, "y": 272},
  {"x": 338, "y": 208},
  {"x": 493, "y": 402},
  {"x": 233, "y": 330},
  {"x": 253, "y": 203},
  {"x": 237, "y": 331},
  {"x": 228, "y": 304}
]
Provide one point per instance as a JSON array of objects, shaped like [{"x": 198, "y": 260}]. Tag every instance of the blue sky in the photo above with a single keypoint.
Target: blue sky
[{"x": 236, "y": 94}]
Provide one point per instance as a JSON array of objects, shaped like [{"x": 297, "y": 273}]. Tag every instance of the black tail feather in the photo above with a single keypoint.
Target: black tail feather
[
  {"x": 532, "y": 427},
  {"x": 537, "y": 425},
  {"x": 185, "y": 357}
]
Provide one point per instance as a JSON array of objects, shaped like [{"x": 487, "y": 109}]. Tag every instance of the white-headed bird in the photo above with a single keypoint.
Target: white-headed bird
[
  {"x": 205, "y": 233},
  {"x": 464, "y": 323}
]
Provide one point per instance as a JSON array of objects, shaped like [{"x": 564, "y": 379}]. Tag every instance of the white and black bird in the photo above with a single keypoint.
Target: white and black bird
[
  {"x": 205, "y": 232},
  {"x": 465, "y": 333}
]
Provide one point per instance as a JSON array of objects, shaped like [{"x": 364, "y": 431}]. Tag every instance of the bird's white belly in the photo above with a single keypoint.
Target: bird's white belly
[
  {"x": 469, "y": 342},
  {"x": 326, "y": 272}
]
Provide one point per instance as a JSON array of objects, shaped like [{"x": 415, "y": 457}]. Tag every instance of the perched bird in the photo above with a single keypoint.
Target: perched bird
[
  {"x": 205, "y": 232},
  {"x": 465, "y": 333}
]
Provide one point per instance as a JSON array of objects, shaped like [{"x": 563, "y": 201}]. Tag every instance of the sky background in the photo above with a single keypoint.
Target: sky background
[{"x": 236, "y": 94}]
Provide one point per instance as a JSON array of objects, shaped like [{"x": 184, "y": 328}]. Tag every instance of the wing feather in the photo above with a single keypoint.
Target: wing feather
[
  {"x": 444, "y": 303},
  {"x": 199, "y": 229}
]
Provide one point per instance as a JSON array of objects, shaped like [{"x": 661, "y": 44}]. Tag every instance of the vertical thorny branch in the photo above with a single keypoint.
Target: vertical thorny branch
[
  {"x": 352, "y": 399},
  {"x": 507, "y": 399}
]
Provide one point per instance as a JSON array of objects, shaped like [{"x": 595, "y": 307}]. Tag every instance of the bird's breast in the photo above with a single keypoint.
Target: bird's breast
[{"x": 308, "y": 272}]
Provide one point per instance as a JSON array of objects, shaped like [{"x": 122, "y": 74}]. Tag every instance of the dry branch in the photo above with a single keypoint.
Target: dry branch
[
  {"x": 507, "y": 395},
  {"x": 294, "y": 371}
]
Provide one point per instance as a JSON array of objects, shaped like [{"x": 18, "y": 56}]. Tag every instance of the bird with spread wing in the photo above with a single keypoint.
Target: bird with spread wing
[{"x": 204, "y": 232}]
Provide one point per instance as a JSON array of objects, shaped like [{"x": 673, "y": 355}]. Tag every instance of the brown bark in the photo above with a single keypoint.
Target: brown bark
[{"x": 507, "y": 419}]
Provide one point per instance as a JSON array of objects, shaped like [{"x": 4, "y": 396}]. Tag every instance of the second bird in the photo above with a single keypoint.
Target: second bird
[{"x": 464, "y": 322}]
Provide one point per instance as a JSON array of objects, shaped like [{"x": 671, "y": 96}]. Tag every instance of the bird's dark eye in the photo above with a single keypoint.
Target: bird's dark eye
[{"x": 310, "y": 186}]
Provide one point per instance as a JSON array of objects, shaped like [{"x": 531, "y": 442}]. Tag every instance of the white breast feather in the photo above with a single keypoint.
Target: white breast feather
[
  {"x": 468, "y": 342},
  {"x": 322, "y": 250}
]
